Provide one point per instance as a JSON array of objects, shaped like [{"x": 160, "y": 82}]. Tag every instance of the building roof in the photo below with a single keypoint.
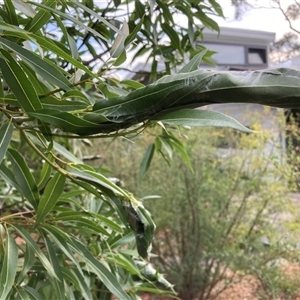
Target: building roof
[{"x": 230, "y": 35}]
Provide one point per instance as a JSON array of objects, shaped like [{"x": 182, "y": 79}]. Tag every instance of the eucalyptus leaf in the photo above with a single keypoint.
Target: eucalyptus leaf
[
  {"x": 39, "y": 253},
  {"x": 145, "y": 164},
  {"x": 6, "y": 131},
  {"x": 193, "y": 64},
  {"x": 9, "y": 267},
  {"x": 29, "y": 260},
  {"x": 19, "y": 83},
  {"x": 24, "y": 177},
  {"x": 98, "y": 268},
  {"x": 118, "y": 46},
  {"x": 197, "y": 117},
  {"x": 46, "y": 69},
  {"x": 52, "y": 192}
]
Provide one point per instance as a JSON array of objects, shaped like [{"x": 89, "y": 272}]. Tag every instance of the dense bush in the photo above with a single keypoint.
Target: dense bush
[{"x": 227, "y": 218}]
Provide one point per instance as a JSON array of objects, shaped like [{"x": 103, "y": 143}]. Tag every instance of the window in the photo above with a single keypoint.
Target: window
[
  {"x": 238, "y": 55},
  {"x": 257, "y": 56},
  {"x": 227, "y": 54}
]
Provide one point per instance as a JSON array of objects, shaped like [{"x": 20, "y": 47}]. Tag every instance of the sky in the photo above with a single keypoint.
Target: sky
[{"x": 266, "y": 19}]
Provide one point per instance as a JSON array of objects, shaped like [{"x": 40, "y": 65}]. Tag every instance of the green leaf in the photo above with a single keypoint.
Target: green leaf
[
  {"x": 207, "y": 21},
  {"x": 140, "y": 8},
  {"x": 121, "y": 58},
  {"x": 75, "y": 277},
  {"x": 125, "y": 261},
  {"x": 123, "y": 240},
  {"x": 66, "y": 121},
  {"x": 62, "y": 239},
  {"x": 62, "y": 105},
  {"x": 19, "y": 83},
  {"x": 6, "y": 131},
  {"x": 97, "y": 16},
  {"x": 39, "y": 253},
  {"x": 191, "y": 34},
  {"x": 74, "y": 95},
  {"x": 22, "y": 294},
  {"x": 132, "y": 83},
  {"x": 96, "y": 179},
  {"x": 57, "y": 284},
  {"x": 166, "y": 146},
  {"x": 9, "y": 267},
  {"x": 33, "y": 293},
  {"x": 118, "y": 46},
  {"x": 29, "y": 260},
  {"x": 217, "y": 7},
  {"x": 146, "y": 160},
  {"x": 72, "y": 19},
  {"x": 51, "y": 46},
  {"x": 109, "y": 280},
  {"x": 110, "y": 223},
  {"x": 45, "y": 173},
  {"x": 83, "y": 224},
  {"x": 71, "y": 42},
  {"x": 8, "y": 176},
  {"x": 129, "y": 39},
  {"x": 166, "y": 12},
  {"x": 175, "y": 143},
  {"x": 45, "y": 68},
  {"x": 25, "y": 8},
  {"x": 24, "y": 177},
  {"x": 66, "y": 154},
  {"x": 41, "y": 18},
  {"x": 52, "y": 192},
  {"x": 197, "y": 117},
  {"x": 173, "y": 35},
  {"x": 194, "y": 63},
  {"x": 11, "y": 12}
]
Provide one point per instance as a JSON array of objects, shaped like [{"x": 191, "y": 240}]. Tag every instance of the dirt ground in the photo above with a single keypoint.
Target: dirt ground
[{"x": 248, "y": 288}]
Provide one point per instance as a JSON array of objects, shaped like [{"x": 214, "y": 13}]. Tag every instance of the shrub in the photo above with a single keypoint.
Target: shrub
[{"x": 224, "y": 219}]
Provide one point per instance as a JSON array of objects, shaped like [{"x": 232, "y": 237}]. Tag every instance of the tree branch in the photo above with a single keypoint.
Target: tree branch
[{"x": 287, "y": 18}]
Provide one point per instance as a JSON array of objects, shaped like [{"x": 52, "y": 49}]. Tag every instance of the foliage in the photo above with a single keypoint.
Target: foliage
[
  {"x": 67, "y": 229},
  {"x": 228, "y": 218}
]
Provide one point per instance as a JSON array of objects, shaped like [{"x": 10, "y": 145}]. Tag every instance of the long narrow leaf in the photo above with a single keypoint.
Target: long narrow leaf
[
  {"x": 6, "y": 131},
  {"x": 19, "y": 83},
  {"x": 29, "y": 260},
  {"x": 147, "y": 160},
  {"x": 9, "y": 177},
  {"x": 193, "y": 64},
  {"x": 57, "y": 284},
  {"x": 66, "y": 121},
  {"x": 41, "y": 18},
  {"x": 24, "y": 177},
  {"x": 197, "y": 117},
  {"x": 100, "y": 270},
  {"x": 39, "y": 253},
  {"x": 9, "y": 267},
  {"x": 11, "y": 11},
  {"x": 98, "y": 180},
  {"x": 52, "y": 192},
  {"x": 45, "y": 44},
  {"x": 46, "y": 69},
  {"x": 69, "y": 17},
  {"x": 276, "y": 87},
  {"x": 73, "y": 276},
  {"x": 61, "y": 239}
]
